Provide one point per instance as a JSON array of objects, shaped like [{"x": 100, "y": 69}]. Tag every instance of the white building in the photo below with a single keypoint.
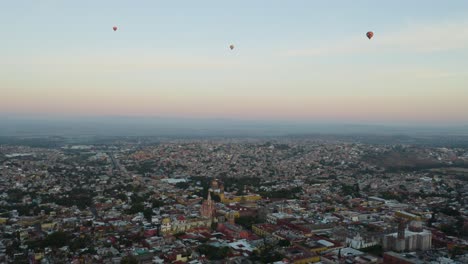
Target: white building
[
  {"x": 410, "y": 242},
  {"x": 359, "y": 242}
]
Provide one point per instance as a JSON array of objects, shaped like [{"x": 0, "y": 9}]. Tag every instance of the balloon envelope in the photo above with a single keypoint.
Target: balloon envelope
[
  {"x": 231, "y": 47},
  {"x": 114, "y": 28},
  {"x": 370, "y": 34}
]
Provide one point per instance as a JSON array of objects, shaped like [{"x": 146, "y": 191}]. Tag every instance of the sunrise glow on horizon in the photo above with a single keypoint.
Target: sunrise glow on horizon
[{"x": 293, "y": 60}]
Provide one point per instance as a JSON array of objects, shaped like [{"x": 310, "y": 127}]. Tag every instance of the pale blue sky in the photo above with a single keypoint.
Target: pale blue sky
[
  {"x": 200, "y": 26},
  {"x": 289, "y": 55}
]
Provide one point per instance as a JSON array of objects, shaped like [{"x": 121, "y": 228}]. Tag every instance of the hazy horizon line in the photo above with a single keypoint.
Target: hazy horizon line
[{"x": 298, "y": 121}]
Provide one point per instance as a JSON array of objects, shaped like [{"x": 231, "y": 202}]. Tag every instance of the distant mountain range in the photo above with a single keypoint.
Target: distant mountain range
[{"x": 146, "y": 126}]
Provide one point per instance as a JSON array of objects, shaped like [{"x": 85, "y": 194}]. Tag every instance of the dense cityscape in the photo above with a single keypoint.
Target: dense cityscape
[
  {"x": 234, "y": 132},
  {"x": 282, "y": 200}
]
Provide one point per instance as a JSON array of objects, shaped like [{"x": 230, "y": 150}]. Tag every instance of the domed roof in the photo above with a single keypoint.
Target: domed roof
[{"x": 181, "y": 218}]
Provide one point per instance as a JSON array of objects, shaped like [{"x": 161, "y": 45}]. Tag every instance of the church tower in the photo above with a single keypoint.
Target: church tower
[
  {"x": 208, "y": 208},
  {"x": 401, "y": 229},
  {"x": 231, "y": 218}
]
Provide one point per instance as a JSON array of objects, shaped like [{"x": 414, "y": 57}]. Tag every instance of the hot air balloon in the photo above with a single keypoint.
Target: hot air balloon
[
  {"x": 114, "y": 28},
  {"x": 370, "y": 34},
  {"x": 231, "y": 47}
]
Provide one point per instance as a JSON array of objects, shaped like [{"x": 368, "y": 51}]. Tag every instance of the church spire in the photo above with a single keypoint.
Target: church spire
[{"x": 208, "y": 207}]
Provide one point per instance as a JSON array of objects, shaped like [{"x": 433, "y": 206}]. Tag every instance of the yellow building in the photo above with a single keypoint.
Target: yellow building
[
  {"x": 318, "y": 250},
  {"x": 181, "y": 258},
  {"x": 313, "y": 259},
  {"x": 23, "y": 235},
  {"x": 408, "y": 216},
  {"x": 27, "y": 221},
  {"x": 264, "y": 229},
  {"x": 236, "y": 214},
  {"x": 39, "y": 256},
  {"x": 238, "y": 199},
  {"x": 48, "y": 226}
]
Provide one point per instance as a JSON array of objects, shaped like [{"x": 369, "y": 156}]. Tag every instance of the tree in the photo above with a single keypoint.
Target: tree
[
  {"x": 129, "y": 260},
  {"x": 456, "y": 251},
  {"x": 137, "y": 199},
  {"x": 376, "y": 250},
  {"x": 214, "y": 253},
  {"x": 157, "y": 203},
  {"x": 148, "y": 212},
  {"x": 216, "y": 198},
  {"x": 267, "y": 255},
  {"x": 136, "y": 208},
  {"x": 240, "y": 191},
  {"x": 122, "y": 197},
  {"x": 352, "y": 190},
  {"x": 57, "y": 239},
  {"x": 80, "y": 242},
  {"x": 284, "y": 243},
  {"x": 182, "y": 185},
  {"x": 247, "y": 221}
]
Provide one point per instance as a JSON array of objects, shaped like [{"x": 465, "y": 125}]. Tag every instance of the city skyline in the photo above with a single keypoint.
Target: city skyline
[{"x": 301, "y": 61}]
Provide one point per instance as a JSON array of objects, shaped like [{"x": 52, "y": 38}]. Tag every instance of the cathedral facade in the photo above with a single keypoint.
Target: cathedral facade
[{"x": 208, "y": 208}]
